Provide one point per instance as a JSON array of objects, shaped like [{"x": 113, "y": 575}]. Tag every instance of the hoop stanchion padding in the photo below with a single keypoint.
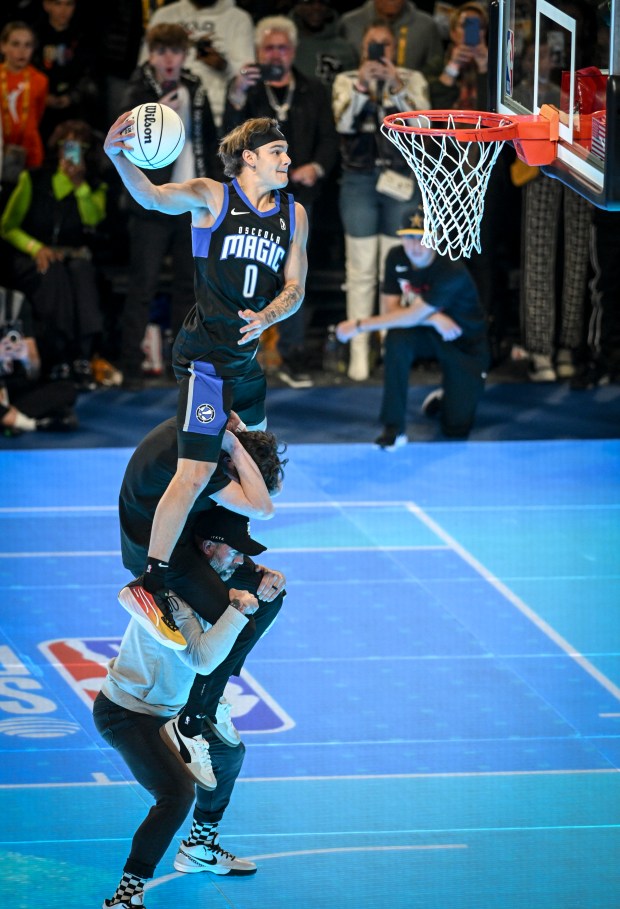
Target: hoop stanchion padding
[{"x": 452, "y": 154}]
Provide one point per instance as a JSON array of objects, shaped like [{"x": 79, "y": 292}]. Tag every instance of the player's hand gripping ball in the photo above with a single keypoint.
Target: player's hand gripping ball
[{"x": 159, "y": 138}]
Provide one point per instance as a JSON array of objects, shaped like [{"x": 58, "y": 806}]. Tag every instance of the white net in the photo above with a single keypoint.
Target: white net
[{"x": 453, "y": 177}]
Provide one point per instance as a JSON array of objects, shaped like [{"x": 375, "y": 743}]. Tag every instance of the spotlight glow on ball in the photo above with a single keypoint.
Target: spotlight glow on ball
[{"x": 159, "y": 136}]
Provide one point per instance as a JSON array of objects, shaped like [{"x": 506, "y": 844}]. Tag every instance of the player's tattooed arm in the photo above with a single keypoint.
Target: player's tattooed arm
[{"x": 285, "y": 304}]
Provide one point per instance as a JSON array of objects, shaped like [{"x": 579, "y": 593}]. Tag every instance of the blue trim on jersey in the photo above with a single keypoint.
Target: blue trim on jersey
[
  {"x": 261, "y": 214},
  {"x": 291, "y": 215},
  {"x": 201, "y": 236}
]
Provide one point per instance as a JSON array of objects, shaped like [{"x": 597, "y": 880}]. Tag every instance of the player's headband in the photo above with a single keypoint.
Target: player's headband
[{"x": 273, "y": 134}]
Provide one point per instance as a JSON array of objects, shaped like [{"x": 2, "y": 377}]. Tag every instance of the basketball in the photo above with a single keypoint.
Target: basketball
[{"x": 159, "y": 138}]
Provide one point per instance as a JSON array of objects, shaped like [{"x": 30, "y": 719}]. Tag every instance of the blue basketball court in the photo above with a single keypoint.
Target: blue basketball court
[{"x": 434, "y": 720}]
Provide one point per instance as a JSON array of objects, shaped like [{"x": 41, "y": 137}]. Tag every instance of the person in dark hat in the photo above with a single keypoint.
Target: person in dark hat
[
  {"x": 211, "y": 571},
  {"x": 430, "y": 306}
]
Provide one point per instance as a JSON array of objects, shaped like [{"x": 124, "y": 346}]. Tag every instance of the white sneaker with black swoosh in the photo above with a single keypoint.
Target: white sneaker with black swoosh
[
  {"x": 192, "y": 752},
  {"x": 211, "y": 857}
]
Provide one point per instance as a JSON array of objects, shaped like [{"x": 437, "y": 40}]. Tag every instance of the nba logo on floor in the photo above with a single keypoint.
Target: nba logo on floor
[{"x": 82, "y": 664}]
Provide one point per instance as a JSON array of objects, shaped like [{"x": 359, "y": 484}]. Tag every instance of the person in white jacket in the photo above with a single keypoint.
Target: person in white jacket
[
  {"x": 222, "y": 37},
  {"x": 377, "y": 187},
  {"x": 148, "y": 684}
]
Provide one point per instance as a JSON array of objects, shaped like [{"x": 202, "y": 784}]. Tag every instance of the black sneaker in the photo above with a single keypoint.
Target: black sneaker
[
  {"x": 60, "y": 372},
  {"x": 431, "y": 405},
  {"x": 154, "y": 612},
  {"x": 294, "y": 376},
  {"x": 64, "y": 421},
  {"x": 83, "y": 378},
  {"x": 390, "y": 439},
  {"x": 594, "y": 375}
]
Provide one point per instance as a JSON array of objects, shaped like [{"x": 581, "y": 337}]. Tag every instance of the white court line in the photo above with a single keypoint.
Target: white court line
[
  {"x": 332, "y": 503},
  {"x": 272, "y": 549},
  {"x": 516, "y": 601},
  {"x": 101, "y": 779},
  {"x": 57, "y": 555},
  {"x": 166, "y": 878}
]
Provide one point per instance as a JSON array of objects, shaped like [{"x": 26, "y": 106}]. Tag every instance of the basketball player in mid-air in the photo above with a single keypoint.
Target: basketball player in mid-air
[{"x": 249, "y": 243}]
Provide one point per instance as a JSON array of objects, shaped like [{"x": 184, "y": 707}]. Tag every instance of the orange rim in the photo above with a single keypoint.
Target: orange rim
[{"x": 484, "y": 125}]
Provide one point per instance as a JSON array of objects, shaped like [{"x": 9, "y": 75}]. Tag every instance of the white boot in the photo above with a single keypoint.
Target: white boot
[
  {"x": 359, "y": 368},
  {"x": 362, "y": 269}
]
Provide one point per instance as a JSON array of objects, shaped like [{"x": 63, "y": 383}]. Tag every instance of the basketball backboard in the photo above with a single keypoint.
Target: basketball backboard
[{"x": 565, "y": 53}]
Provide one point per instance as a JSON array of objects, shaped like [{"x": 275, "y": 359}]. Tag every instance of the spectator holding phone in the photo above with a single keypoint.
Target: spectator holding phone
[
  {"x": 50, "y": 219},
  {"x": 463, "y": 83},
  {"x": 221, "y": 41}
]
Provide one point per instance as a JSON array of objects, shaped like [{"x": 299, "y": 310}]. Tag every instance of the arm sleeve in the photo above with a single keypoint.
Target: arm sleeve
[
  {"x": 206, "y": 648},
  {"x": 16, "y": 210},
  {"x": 91, "y": 203},
  {"x": 347, "y": 103}
]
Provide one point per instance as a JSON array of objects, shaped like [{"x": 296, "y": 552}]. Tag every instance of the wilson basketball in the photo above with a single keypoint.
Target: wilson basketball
[{"x": 159, "y": 138}]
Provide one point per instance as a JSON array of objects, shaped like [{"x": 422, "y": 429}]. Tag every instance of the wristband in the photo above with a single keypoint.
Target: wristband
[{"x": 452, "y": 70}]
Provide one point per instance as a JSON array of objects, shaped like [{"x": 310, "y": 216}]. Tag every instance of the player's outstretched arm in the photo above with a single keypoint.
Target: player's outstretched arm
[
  {"x": 171, "y": 198},
  {"x": 292, "y": 294},
  {"x": 394, "y": 316}
]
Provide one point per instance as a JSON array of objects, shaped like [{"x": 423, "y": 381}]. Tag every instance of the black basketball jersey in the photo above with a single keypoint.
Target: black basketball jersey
[{"x": 239, "y": 263}]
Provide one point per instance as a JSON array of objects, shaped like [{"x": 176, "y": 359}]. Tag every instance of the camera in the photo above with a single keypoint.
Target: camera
[
  {"x": 12, "y": 332},
  {"x": 471, "y": 27},
  {"x": 271, "y": 72},
  {"x": 203, "y": 46},
  {"x": 376, "y": 51}
]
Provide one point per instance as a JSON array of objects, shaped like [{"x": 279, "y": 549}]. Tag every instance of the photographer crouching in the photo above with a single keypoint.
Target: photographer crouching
[{"x": 28, "y": 404}]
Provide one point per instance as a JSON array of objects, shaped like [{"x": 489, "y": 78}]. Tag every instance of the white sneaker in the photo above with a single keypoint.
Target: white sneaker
[
  {"x": 153, "y": 363},
  {"x": 541, "y": 369},
  {"x": 223, "y": 726},
  {"x": 193, "y": 753},
  {"x": 564, "y": 364},
  {"x": 136, "y": 900},
  {"x": 359, "y": 363},
  {"x": 210, "y": 857},
  {"x": 391, "y": 440}
]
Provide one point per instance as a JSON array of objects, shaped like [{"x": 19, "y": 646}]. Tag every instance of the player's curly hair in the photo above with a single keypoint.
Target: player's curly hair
[
  {"x": 241, "y": 137},
  {"x": 264, "y": 449}
]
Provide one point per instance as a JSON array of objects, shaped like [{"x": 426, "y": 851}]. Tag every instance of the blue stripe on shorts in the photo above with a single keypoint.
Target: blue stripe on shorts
[{"x": 205, "y": 412}]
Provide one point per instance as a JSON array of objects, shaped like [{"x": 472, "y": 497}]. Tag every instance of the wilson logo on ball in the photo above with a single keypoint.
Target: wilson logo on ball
[{"x": 159, "y": 136}]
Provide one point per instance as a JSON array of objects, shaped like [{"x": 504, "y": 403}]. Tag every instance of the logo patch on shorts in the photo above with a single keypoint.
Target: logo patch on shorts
[{"x": 205, "y": 413}]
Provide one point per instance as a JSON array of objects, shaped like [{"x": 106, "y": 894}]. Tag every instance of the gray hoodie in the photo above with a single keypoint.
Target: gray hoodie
[{"x": 147, "y": 677}]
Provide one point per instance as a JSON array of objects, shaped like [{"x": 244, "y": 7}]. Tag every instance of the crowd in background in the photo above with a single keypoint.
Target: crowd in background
[{"x": 329, "y": 72}]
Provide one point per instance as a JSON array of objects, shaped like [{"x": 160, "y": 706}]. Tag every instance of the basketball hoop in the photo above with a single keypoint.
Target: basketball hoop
[{"x": 452, "y": 153}]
